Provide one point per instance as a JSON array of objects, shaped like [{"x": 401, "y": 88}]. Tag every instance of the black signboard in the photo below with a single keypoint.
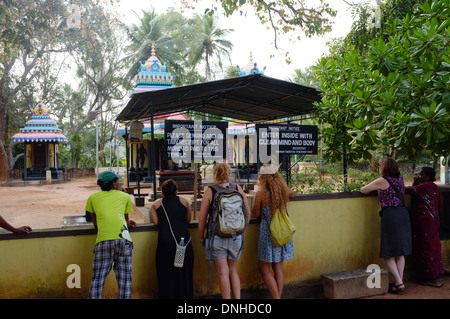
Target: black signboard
[
  {"x": 288, "y": 138},
  {"x": 195, "y": 140}
]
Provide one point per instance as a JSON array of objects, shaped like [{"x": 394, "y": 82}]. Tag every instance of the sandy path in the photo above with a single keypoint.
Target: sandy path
[{"x": 44, "y": 206}]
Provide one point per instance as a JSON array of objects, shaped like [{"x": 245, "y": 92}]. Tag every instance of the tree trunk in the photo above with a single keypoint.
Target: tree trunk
[{"x": 4, "y": 165}]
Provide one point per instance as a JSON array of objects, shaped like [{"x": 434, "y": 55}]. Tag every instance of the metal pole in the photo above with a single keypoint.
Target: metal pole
[
  {"x": 25, "y": 173},
  {"x": 117, "y": 154},
  {"x": 127, "y": 156},
  {"x": 110, "y": 155},
  {"x": 96, "y": 139},
  {"x": 153, "y": 152},
  {"x": 137, "y": 171}
]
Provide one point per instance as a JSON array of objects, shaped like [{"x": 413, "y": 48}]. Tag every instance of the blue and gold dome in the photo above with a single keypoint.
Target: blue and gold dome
[
  {"x": 152, "y": 76},
  {"x": 250, "y": 68}
]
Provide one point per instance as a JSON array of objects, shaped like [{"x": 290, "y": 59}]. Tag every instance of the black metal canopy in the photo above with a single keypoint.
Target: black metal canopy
[{"x": 249, "y": 98}]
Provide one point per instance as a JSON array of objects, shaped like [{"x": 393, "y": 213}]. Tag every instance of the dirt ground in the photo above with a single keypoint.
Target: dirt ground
[
  {"x": 415, "y": 291},
  {"x": 44, "y": 206}
]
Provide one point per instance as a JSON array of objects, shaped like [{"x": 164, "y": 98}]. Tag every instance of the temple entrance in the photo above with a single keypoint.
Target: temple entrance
[{"x": 40, "y": 156}]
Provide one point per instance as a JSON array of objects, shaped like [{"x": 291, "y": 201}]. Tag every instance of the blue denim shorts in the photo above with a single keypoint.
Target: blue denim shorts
[{"x": 224, "y": 247}]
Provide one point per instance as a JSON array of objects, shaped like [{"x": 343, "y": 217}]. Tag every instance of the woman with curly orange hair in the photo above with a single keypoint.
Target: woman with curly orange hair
[{"x": 272, "y": 194}]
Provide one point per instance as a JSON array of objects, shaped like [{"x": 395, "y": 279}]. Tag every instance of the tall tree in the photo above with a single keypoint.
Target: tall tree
[
  {"x": 283, "y": 16},
  {"x": 41, "y": 40},
  {"x": 397, "y": 90},
  {"x": 29, "y": 30},
  {"x": 305, "y": 77},
  {"x": 96, "y": 49},
  {"x": 209, "y": 43},
  {"x": 167, "y": 34}
]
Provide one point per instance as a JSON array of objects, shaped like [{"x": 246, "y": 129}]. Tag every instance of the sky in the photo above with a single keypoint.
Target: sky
[{"x": 250, "y": 36}]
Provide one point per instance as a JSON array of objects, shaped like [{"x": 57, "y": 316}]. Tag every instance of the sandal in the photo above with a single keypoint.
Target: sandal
[
  {"x": 399, "y": 290},
  {"x": 391, "y": 287},
  {"x": 431, "y": 284}
]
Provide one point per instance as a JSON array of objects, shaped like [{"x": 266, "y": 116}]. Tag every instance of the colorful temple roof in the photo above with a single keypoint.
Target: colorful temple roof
[
  {"x": 41, "y": 127},
  {"x": 250, "y": 68},
  {"x": 152, "y": 76}
]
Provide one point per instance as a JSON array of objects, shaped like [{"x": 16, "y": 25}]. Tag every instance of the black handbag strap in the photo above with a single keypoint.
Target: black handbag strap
[{"x": 397, "y": 192}]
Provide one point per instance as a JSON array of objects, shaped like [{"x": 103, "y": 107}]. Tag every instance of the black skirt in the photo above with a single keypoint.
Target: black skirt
[{"x": 395, "y": 232}]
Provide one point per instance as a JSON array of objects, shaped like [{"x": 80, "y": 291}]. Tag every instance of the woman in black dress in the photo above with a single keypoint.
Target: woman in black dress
[{"x": 173, "y": 282}]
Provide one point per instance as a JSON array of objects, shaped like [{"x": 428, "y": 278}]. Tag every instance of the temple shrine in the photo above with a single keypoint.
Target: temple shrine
[
  {"x": 41, "y": 136},
  {"x": 250, "y": 68},
  {"x": 152, "y": 76}
]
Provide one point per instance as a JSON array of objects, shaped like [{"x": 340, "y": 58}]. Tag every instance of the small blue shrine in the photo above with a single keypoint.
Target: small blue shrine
[{"x": 250, "y": 68}]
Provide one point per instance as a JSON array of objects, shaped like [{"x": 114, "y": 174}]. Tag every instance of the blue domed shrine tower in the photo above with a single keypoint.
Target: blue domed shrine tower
[
  {"x": 152, "y": 75},
  {"x": 41, "y": 136},
  {"x": 250, "y": 68}
]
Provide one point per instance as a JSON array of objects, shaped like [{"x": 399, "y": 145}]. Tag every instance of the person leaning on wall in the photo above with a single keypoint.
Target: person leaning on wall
[
  {"x": 20, "y": 230},
  {"x": 225, "y": 251},
  {"x": 109, "y": 209},
  {"x": 172, "y": 214},
  {"x": 395, "y": 222},
  {"x": 273, "y": 193},
  {"x": 425, "y": 213}
]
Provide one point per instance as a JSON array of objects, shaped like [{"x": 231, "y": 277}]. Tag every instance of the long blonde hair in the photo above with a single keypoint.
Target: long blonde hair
[
  {"x": 221, "y": 172},
  {"x": 277, "y": 188}
]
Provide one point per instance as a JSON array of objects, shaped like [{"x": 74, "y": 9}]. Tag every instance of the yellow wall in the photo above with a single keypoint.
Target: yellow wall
[{"x": 332, "y": 235}]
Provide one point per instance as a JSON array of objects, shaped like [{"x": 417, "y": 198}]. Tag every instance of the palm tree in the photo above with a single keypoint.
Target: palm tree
[
  {"x": 305, "y": 77},
  {"x": 209, "y": 42},
  {"x": 166, "y": 33}
]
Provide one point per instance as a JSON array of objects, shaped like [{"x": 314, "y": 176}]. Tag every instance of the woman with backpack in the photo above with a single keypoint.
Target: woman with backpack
[
  {"x": 223, "y": 250},
  {"x": 272, "y": 194}
]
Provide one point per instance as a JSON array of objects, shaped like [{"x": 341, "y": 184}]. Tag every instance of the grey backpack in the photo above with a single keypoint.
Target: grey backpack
[
  {"x": 228, "y": 218},
  {"x": 229, "y": 214}
]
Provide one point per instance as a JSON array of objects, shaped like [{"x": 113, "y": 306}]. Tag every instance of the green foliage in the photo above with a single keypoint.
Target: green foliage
[
  {"x": 330, "y": 180},
  {"x": 395, "y": 94},
  {"x": 182, "y": 43},
  {"x": 168, "y": 34},
  {"x": 285, "y": 16},
  {"x": 209, "y": 42}
]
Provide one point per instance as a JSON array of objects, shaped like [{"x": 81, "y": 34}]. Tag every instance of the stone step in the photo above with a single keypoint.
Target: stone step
[{"x": 355, "y": 283}]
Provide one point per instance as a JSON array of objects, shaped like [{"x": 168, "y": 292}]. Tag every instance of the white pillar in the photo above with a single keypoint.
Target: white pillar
[{"x": 445, "y": 171}]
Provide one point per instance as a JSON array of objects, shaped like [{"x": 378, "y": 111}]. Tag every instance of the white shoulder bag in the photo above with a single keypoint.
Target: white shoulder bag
[{"x": 180, "y": 250}]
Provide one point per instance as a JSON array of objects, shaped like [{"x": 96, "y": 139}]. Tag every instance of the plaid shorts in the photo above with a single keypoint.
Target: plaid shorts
[{"x": 107, "y": 253}]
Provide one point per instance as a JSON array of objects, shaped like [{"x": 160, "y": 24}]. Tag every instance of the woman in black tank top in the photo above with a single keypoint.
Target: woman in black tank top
[{"x": 173, "y": 282}]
